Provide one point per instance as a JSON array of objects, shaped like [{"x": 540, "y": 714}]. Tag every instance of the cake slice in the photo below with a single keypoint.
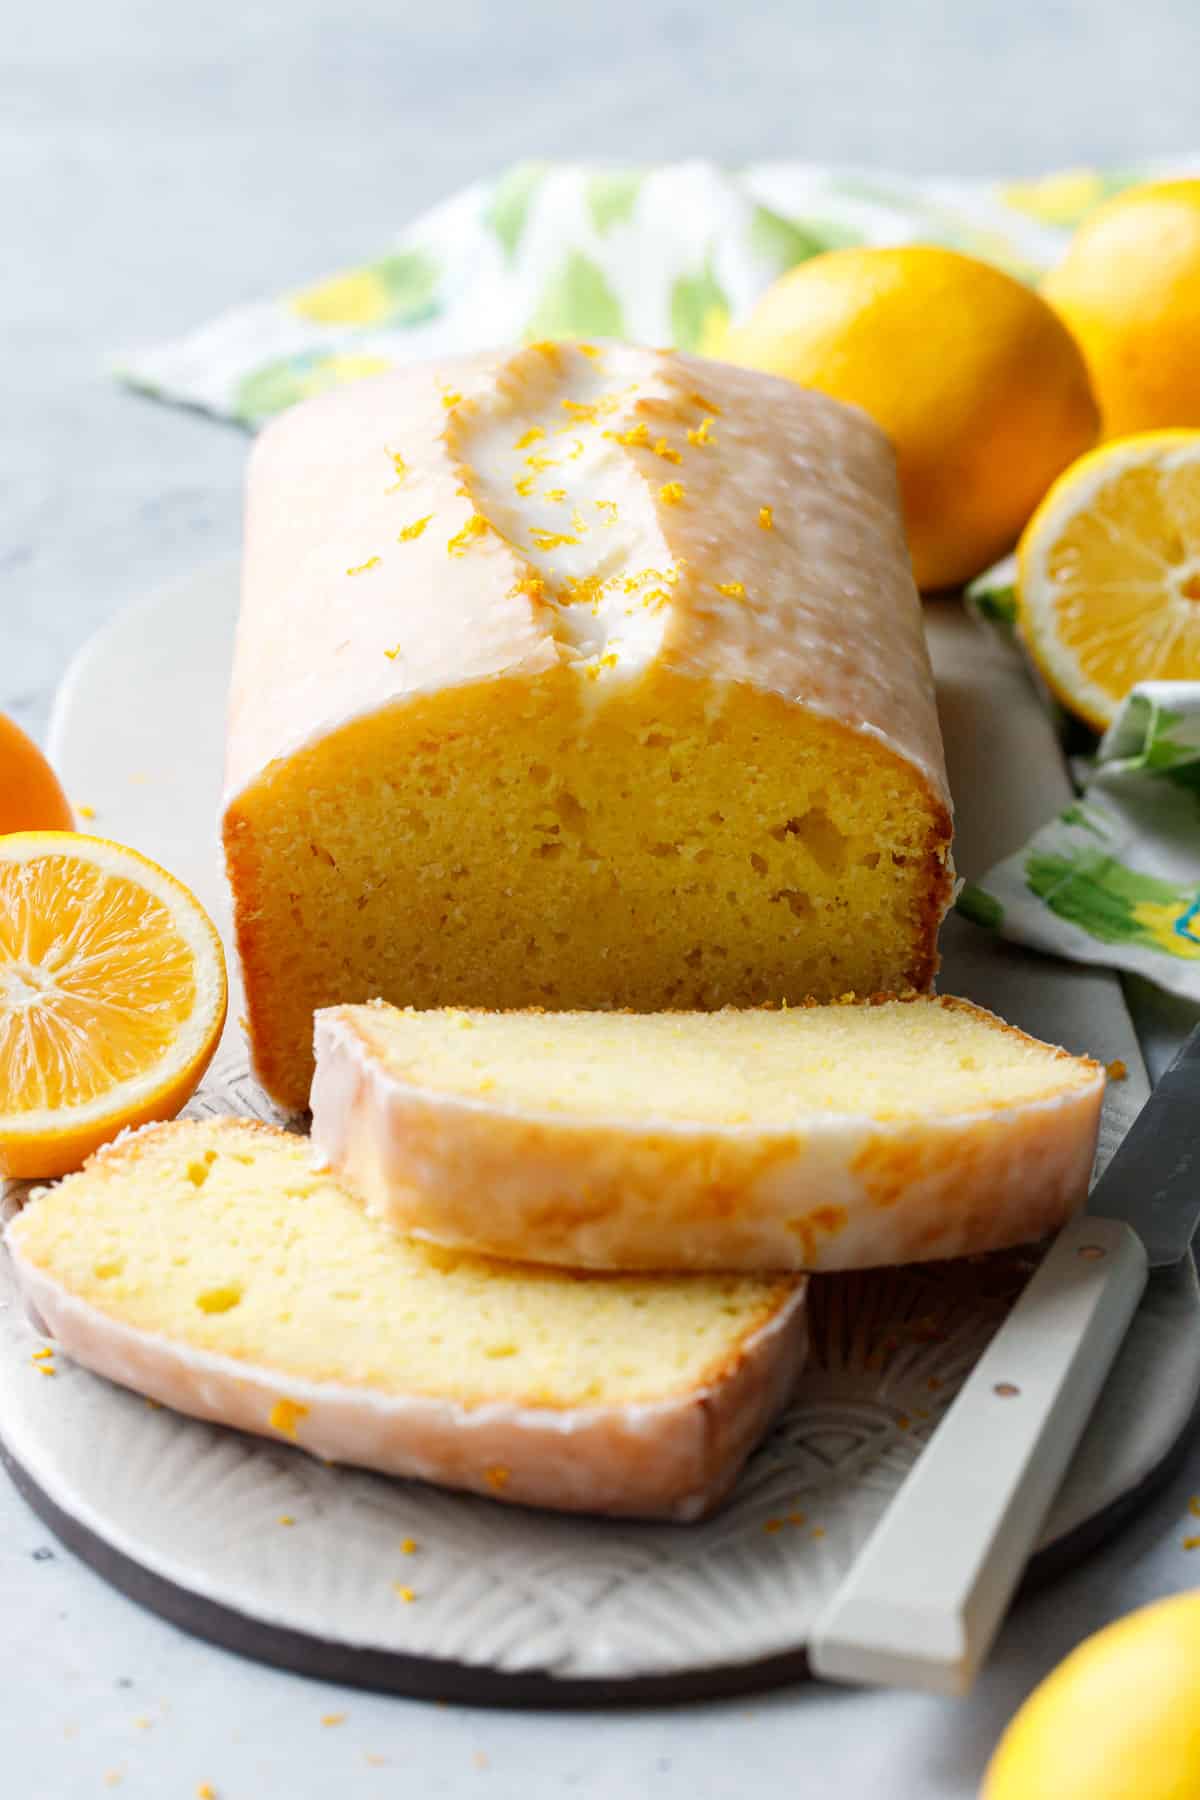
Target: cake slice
[
  {"x": 206, "y": 1265},
  {"x": 577, "y": 676},
  {"x": 822, "y": 1137}
]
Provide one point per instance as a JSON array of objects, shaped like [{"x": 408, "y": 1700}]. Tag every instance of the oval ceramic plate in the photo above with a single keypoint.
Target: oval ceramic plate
[{"x": 523, "y": 1606}]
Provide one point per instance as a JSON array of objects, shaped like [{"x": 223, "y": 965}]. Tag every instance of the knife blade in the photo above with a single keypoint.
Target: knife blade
[{"x": 1153, "y": 1182}]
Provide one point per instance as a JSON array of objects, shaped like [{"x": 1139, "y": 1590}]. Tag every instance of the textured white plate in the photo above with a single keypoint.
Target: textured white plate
[{"x": 501, "y": 1593}]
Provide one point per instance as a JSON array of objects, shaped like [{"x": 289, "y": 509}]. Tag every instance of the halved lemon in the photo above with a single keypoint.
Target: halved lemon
[
  {"x": 112, "y": 997},
  {"x": 1109, "y": 573}
]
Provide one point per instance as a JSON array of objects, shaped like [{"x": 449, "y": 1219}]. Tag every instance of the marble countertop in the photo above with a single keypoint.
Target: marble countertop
[{"x": 160, "y": 163}]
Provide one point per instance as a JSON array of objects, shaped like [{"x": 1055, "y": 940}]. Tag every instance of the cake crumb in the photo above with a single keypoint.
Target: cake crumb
[{"x": 1116, "y": 1070}]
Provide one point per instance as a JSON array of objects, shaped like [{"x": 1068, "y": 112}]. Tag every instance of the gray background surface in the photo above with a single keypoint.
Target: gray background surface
[{"x": 159, "y": 162}]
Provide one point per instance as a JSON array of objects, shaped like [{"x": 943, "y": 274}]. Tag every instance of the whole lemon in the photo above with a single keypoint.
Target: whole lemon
[
  {"x": 977, "y": 382},
  {"x": 1118, "y": 1720},
  {"x": 1129, "y": 288}
]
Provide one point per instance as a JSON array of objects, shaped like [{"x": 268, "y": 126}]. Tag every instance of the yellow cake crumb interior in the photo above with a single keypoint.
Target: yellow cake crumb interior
[
  {"x": 514, "y": 844},
  {"x": 767, "y": 1068},
  {"x": 220, "y": 1236}
]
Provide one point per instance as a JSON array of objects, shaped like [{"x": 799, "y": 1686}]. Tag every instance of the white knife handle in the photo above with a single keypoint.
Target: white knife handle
[{"x": 925, "y": 1597}]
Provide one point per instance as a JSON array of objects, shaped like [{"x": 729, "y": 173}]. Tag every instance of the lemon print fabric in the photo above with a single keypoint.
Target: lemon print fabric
[
  {"x": 1115, "y": 879},
  {"x": 672, "y": 253}
]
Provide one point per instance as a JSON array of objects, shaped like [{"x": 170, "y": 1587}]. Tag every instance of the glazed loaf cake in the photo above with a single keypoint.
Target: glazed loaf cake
[
  {"x": 206, "y": 1265},
  {"x": 824, "y": 1137},
  {"x": 580, "y": 676}
]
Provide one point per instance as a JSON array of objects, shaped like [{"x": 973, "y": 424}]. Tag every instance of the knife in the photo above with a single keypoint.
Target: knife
[{"x": 926, "y": 1596}]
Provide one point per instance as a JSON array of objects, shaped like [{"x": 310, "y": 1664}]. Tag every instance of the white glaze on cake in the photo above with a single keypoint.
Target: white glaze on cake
[{"x": 831, "y": 1191}]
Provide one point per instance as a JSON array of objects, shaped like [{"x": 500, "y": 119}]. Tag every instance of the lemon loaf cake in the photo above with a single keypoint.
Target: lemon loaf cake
[
  {"x": 577, "y": 676},
  {"x": 822, "y": 1137},
  {"x": 206, "y": 1265}
]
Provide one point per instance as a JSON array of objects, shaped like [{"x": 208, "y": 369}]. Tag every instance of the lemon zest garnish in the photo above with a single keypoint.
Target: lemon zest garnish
[
  {"x": 766, "y": 518},
  {"x": 1191, "y": 1543},
  {"x": 475, "y": 527},
  {"x": 43, "y": 1353},
  {"x": 408, "y": 1546},
  {"x": 333, "y": 1718},
  {"x": 608, "y": 508},
  {"x": 532, "y": 436},
  {"x": 671, "y": 493},
  {"x": 285, "y": 1415},
  {"x": 702, "y": 434},
  {"x": 735, "y": 589},
  {"x": 86, "y": 812},
  {"x": 708, "y": 406},
  {"x": 393, "y": 653},
  {"x": 577, "y": 452},
  {"x": 450, "y": 397},
  {"x": 401, "y": 468},
  {"x": 414, "y": 530},
  {"x": 638, "y": 436},
  {"x": 589, "y": 350},
  {"x": 534, "y": 461},
  {"x": 405, "y": 1593},
  {"x": 361, "y": 568},
  {"x": 533, "y": 585},
  {"x": 555, "y": 494},
  {"x": 550, "y": 540},
  {"x": 579, "y": 523},
  {"x": 524, "y": 487},
  {"x": 286, "y": 1519}
]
